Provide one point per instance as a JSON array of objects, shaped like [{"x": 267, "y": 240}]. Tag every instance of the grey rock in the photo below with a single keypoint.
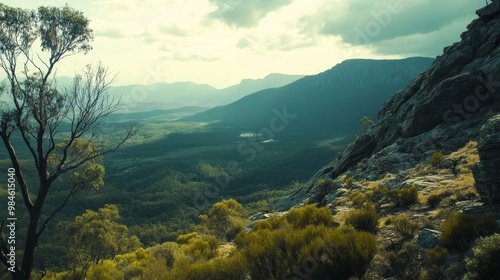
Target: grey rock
[
  {"x": 428, "y": 238},
  {"x": 487, "y": 172},
  {"x": 490, "y": 11},
  {"x": 466, "y": 205}
]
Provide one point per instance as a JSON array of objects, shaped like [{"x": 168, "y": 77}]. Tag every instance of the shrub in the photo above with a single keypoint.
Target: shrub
[
  {"x": 377, "y": 194},
  {"x": 289, "y": 253},
  {"x": 436, "y": 256},
  {"x": 105, "y": 270},
  {"x": 405, "y": 196},
  {"x": 184, "y": 239},
  {"x": 324, "y": 185},
  {"x": 484, "y": 263},
  {"x": 201, "y": 248},
  {"x": 218, "y": 269},
  {"x": 366, "y": 124},
  {"x": 406, "y": 263},
  {"x": 223, "y": 216},
  {"x": 349, "y": 181},
  {"x": 436, "y": 159},
  {"x": 285, "y": 247},
  {"x": 434, "y": 199},
  {"x": 357, "y": 198},
  {"x": 346, "y": 255},
  {"x": 404, "y": 226},
  {"x": 232, "y": 231},
  {"x": 309, "y": 215},
  {"x": 435, "y": 272},
  {"x": 460, "y": 230},
  {"x": 363, "y": 219},
  {"x": 168, "y": 252}
]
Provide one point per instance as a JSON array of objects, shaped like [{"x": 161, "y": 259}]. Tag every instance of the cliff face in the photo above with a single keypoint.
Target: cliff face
[{"x": 455, "y": 101}]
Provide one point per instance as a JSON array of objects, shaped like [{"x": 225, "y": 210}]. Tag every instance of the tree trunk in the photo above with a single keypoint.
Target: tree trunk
[
  {"x": 30, "y": 248},
  {"x": 33, "y": 235}
]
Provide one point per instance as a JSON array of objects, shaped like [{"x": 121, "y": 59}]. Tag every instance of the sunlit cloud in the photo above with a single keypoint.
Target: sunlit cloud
[
  {"x": 243, "y": 13},
  {"x": 221, "y": 42},
  {"x": 362, "y": 22}
]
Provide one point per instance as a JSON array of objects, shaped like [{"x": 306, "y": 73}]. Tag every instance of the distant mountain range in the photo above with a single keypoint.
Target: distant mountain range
[
  {"x": 167, "y": 96},
  {"x": 334, "y": 100},
  {"x": 188, "y": 95}
]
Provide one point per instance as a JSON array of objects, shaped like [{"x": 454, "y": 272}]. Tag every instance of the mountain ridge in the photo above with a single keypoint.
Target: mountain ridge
[
  {"x": 347, "y": 91},
  {"x": 439, "y": 111}
]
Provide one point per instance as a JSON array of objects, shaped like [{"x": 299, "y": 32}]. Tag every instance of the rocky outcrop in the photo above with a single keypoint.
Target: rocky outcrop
[
  {"x": 441, "y": 110},
  {"x": 487, "y": 172},
  {"x": 428, "y": 238}
]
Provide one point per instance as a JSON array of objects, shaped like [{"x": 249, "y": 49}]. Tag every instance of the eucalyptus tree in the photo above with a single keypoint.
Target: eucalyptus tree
[{"x": 60, "y": 128}]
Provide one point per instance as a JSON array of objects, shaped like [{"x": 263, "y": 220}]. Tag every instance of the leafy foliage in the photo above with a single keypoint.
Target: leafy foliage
[
  {"x": 364, "y": 219},
  {"x": 436, "y": 255},
  {"x": 434, "y": 199},
  {"x": 460, "y": 230},
  {"x": 95, "y": 236},
  {"x": 484, "y": 263},
  {"x": 40, "y": 114},
  {"x": 404, "y": 226},
  {"x": 198, "y": 248},
  {"x": 366, "y": 123},
  {"x": 405, "y": 196},
  {"x": 302, "y": 217},
  {"x": 406, "y": 263},
  {"x": 225, "y": 218},
  {"x": 436, "y": 159}
]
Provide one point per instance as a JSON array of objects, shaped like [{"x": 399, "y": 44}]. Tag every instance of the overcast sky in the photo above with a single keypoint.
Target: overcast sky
[{"x": 220, "y": 42}]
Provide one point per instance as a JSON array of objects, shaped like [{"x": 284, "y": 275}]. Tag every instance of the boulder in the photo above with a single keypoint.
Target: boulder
[
  {"x": 428, "y": 238},
  {"x": 487, "y": 171}
]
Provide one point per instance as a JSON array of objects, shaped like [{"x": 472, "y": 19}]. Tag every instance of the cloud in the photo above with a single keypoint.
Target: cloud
[
  {"x": 173, "y": 30},
  {"x": 193, "y": 57},
  {"x": 244, "y": 13},
  {"x": 110, "y": 33},
  {"x": 277, "y": 42},
  {"x": 361, "y": 22},
  {"x": 430, "y": 44},
  {"x": 116, "y": 29}
]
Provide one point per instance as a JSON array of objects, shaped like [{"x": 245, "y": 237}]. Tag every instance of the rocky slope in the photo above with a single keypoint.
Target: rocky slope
[{"x": 455, "y": 101}]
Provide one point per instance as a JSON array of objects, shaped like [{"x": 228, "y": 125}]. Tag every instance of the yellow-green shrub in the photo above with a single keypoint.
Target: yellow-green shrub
[
  {"x": 309, "y": 215},
  {"x": 287, "y": 252},
  {"x": 436, "y": 256},
  {"x": 406, "y": 263},
  {"x": 201, "y": 247},
  {"x": 357, "y": 198},
  {"x": 404, "y": 226},
  {"x": 106, "y": 270},
  {"x": 349, "y": 181},
  {"x": 184, "y": 239},
  {"x": 284, "y": 246},
  {"x": 405, "y": 196},
  {"x": 434, "y": 199},
  {"x": 436, "y": 159},
  {"x": 363, "y": 219},
  {"x": 460, "y": 230},
  {"x": 233, "y": 267},
  {"x": 484, "y": 264}
]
